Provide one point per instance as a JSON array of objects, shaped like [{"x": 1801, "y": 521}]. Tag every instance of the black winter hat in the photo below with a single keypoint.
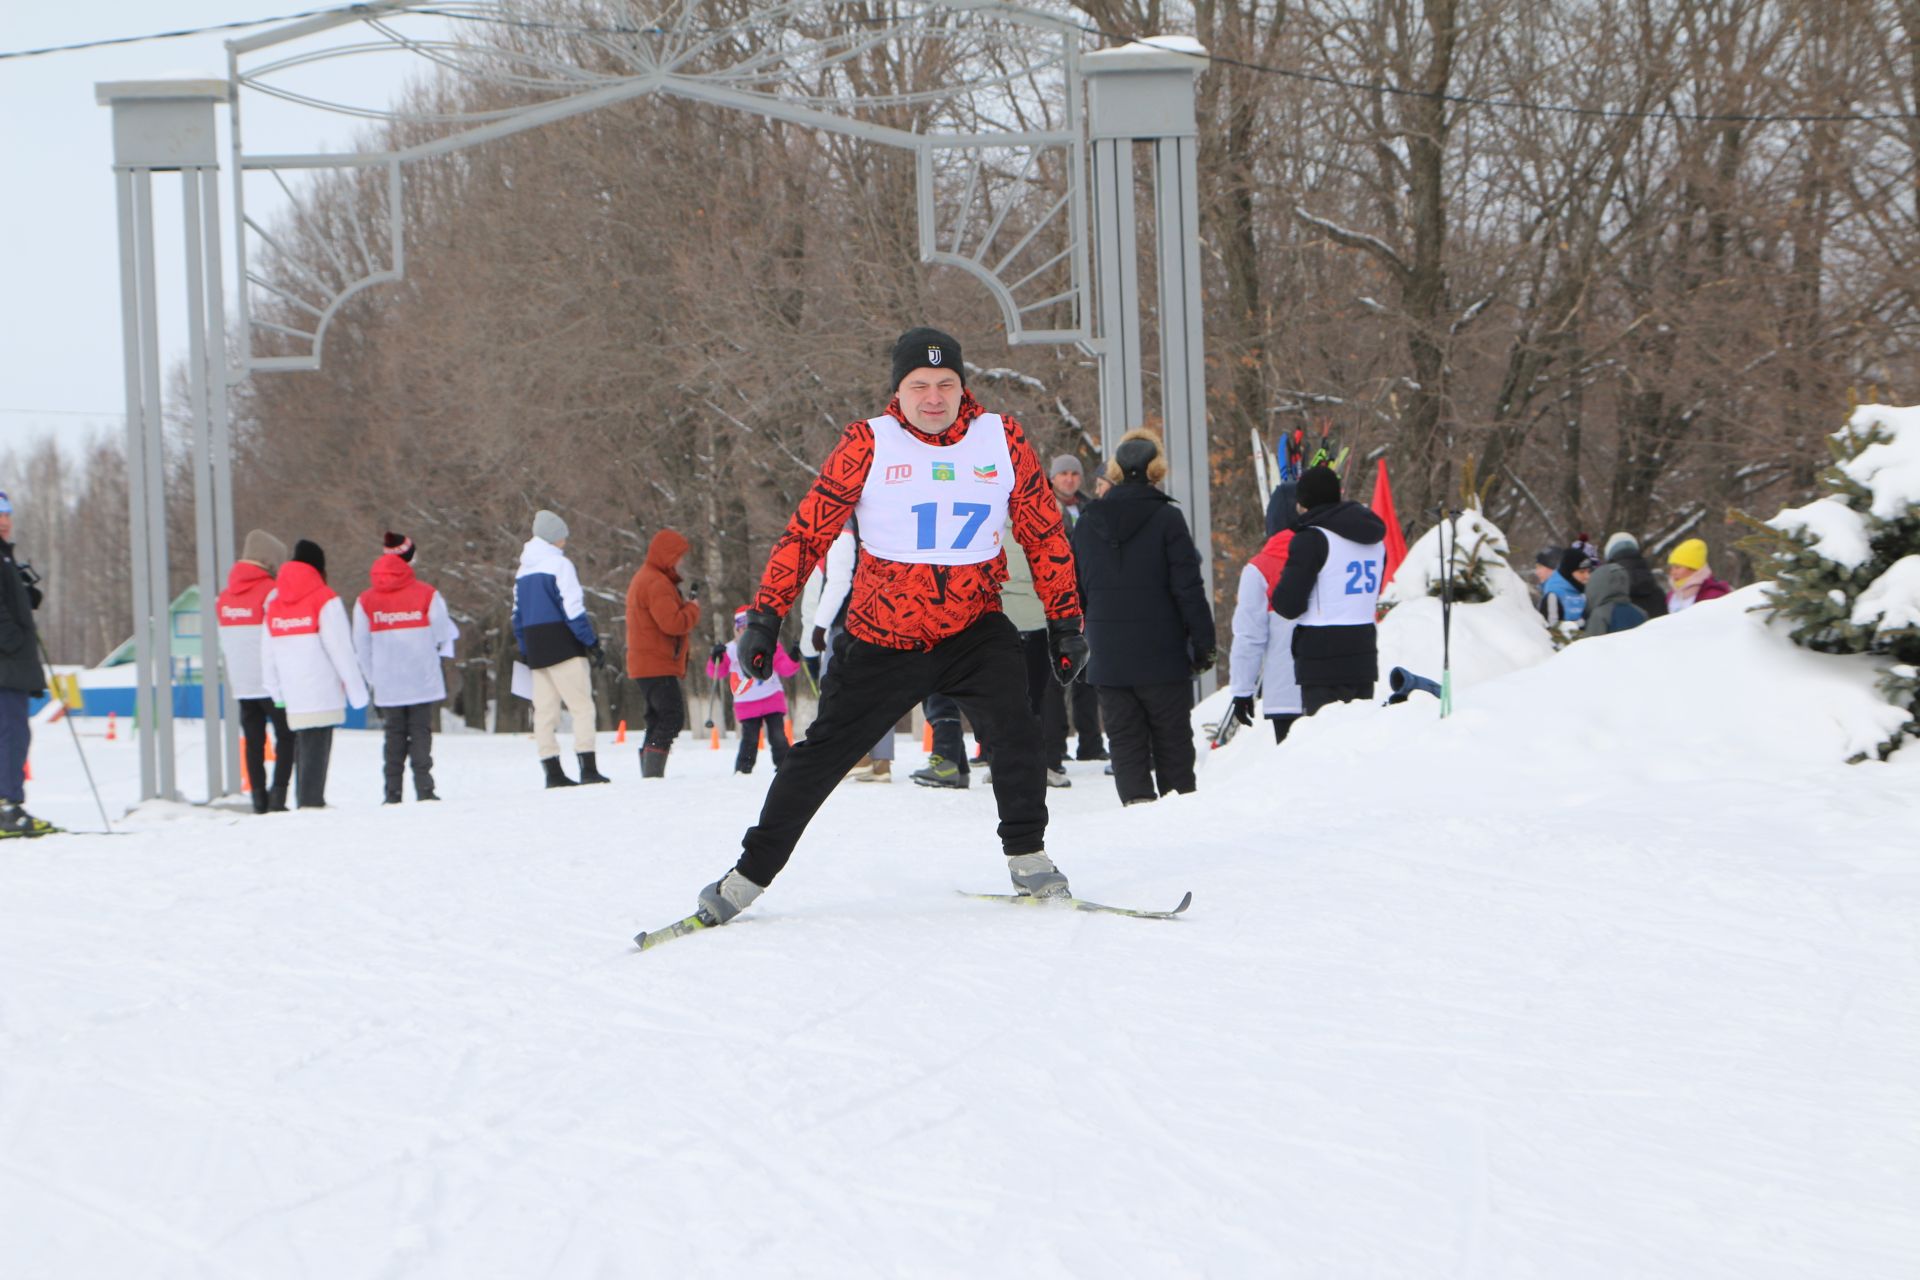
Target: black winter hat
[
  {"x": 925, "y": 348},
  {"x": 398, "y": 544},
  {"x": 1576, "y": 557},
  {"x": 1133, "y": 457},
  {"x": 1549, "y": 557},
  {"x": 1319, "y": 487},
  {"x": 310, "y": 553}
]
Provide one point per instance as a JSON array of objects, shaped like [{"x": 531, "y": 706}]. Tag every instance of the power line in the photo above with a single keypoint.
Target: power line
[
  {"x": 184, "y": 31},
  {"x": 1291, "y": 73}
]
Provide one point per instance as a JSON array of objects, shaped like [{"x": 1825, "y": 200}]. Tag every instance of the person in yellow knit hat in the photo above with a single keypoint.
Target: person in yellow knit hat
[{"x": 1693, "y": 582}]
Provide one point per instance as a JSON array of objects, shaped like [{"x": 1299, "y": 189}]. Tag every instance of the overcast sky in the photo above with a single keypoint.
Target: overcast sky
[{"x": 60, "y": 355}]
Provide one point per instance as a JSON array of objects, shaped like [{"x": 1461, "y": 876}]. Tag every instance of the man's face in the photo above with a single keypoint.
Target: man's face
[
  {"x": 1581, "y": 575},
  {"x": 1066, "y": 483},
  {"x": 6, "y": 526},
  {"x": 1541, "y": 573},
  {"x": 931, "y": 399}
]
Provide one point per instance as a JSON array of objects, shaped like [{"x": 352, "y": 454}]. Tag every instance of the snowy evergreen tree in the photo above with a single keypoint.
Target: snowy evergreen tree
[{"x": 1846, "y": 566}]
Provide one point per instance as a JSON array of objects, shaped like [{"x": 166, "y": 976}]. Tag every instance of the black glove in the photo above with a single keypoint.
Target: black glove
[
  {"x": 819, "y": 639},
  {"x": 718, "y": 652},
  {"x": 793, "y": 651},
  {"x": 757, "y": 642},
  {"x": 597, "y": 654},
  {"x": 693, "y": 591},
  {"x": 1204, "y": 663},
  {"x": 1066, "y": 649},
  {"x": 34, "y": 597},
  {"x": 1243, "y": 709}
]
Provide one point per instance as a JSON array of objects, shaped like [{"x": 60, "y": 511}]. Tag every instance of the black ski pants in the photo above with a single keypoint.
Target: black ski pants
[
  {"x": 314, "y": 747},
  {"x": 409, "y": 739},
  {"x": 949, "y": 735},
  {"x": 255, "y": 715},
  {"x": 866, "y": 690},
  {"x": 666, "y": 711},
  {"x": 749, "y": 753},
  {"x": 1315, "y": 696},
  {"x": 1150, "y": 733},
  {"x": 1039, "y": 681}
]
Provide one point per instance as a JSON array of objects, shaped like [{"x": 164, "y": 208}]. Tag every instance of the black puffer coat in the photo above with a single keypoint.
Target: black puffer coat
[
  {"x": 19, "y": 641},
  {"x": 1146, "y": 605},
  {"x": 1643, "y": 588}
]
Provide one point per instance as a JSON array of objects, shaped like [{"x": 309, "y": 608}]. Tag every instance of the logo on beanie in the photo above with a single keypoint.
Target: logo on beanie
[
  {"x": 933, "y": 355},
  {"x": 943, "y": 471}
]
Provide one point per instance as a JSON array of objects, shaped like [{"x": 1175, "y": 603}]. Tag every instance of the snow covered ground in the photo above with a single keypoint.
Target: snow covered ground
[{"x": 1615, "y": 973}]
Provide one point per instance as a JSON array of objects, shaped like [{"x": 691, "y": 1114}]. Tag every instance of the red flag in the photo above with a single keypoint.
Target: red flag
[{"x": 1382, "y": 505}]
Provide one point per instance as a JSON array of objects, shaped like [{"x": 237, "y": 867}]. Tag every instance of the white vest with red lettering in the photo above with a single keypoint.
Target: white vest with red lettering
[
  {"x": 936, "y": 504},
  {"x": 399, "y": 637}
]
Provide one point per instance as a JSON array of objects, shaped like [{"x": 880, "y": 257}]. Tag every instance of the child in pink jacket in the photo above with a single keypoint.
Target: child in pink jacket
[{"x": 756, "y": 703}]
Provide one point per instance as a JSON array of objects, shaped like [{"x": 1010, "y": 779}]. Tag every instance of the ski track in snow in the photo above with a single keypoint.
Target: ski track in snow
[{"x": 1420, "y": 1022}]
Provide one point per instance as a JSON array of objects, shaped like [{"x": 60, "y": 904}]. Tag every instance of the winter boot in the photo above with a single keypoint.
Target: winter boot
[
  {"x": 589, "y": 771},
  {"x": 653, "y": 762},
  {"x": 876, "y": 771},
  {"x": 555, "y": 776},
  {"x": 1035, "y": 875},
  {"x": 1058, "y": 778},
  {"x": 940, "y": 772},
  {"x": 727, "y": 897}
]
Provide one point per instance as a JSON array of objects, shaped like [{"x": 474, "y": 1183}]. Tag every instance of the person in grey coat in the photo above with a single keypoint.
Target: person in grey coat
[{"x": 1610, "y": 605}]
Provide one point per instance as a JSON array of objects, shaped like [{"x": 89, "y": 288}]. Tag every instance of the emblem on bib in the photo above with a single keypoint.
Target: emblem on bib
[
  {"x": 943, "y": 471},
  {"x": 900, "y": 473},
  {"x": 989, "y": 474}
]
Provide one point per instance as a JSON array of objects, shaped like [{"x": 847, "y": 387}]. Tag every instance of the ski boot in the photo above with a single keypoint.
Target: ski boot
[
  {"x": 17, "y": 822},
  {"x": 940, "y": 772},
  {"x": 1035, "y": 875},
  {"x": 726, "y": 898}
]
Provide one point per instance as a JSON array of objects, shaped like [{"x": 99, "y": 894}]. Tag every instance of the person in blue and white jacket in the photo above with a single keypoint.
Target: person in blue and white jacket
[{"x": 557, "y": 642}]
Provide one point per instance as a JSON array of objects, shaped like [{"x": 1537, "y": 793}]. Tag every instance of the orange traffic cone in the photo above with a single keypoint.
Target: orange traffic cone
[
  {"x": 715, "y": 742},
  {"x": 26, "y": 770},
  {"x": 761, "y": 739},
  {"x": 246, "y": 776},
  {"x": 926, "y": 736},
  {"x": 620, "y": 735},
  {"x": 112, "y": 720}
]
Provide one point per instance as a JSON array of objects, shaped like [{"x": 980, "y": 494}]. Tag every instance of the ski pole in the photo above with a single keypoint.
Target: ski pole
[
  {"x": 1446, "y": 614},
  {"x": 46, "y": 669}
]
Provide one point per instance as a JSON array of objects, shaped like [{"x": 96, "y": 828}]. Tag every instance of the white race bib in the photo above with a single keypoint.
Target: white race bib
[
  {"x": 1348, "y": 588},
  {"x": 936, "y": 504}
]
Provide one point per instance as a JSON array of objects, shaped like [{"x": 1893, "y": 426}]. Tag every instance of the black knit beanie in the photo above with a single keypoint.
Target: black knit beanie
[
  {"x": 309, "y": 553},
  {"x": 398, "y": 544},
  {"x": 1319, "y": 487},
  {"x": 925, "y": 348},
  {"x": 1134, "y": 457}
]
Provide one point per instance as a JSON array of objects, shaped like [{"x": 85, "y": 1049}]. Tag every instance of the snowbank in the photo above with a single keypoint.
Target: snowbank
[{"x": 1489, "y": 638}]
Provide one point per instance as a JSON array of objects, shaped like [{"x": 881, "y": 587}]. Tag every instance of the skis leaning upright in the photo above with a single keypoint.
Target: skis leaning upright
[{"x": 1081, "y": 904}]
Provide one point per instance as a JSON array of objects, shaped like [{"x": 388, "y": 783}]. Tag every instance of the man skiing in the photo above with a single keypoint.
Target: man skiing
[{"x": 932, "y": 481}]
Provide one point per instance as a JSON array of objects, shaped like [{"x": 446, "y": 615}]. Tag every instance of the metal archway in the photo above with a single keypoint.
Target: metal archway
[{"x": 1006, "y": 190}]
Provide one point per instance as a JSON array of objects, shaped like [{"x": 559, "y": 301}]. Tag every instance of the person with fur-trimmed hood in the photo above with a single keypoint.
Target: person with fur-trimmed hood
[
  {"x": 1331, "y": 588},
  {"x": 1149, "y": 623},
  {"x": 933, "y": 479},
  {"x": 309, "y": 667},
  {"x": 559, "y": 646},
  {"x": 660, "y": 625},
  {"x": 401, "y": 631}
]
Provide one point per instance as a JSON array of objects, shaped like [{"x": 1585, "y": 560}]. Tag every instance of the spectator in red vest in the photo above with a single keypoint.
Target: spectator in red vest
[
  {"x": 308, "y": 665},
  {"x": 242, "y": 610},
  {"x": 401, "y": 631}
]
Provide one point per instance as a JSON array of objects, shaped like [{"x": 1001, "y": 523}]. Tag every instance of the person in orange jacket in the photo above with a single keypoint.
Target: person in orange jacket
[{"x": 660, "y": 623}]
